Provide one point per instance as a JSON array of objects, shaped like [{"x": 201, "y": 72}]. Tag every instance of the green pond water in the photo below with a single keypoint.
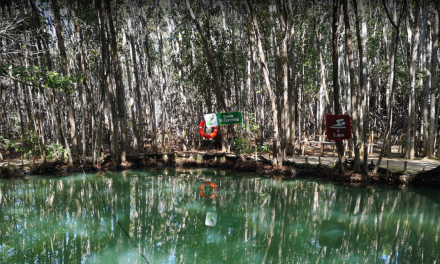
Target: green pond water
[{"x": 160, "y": 216}]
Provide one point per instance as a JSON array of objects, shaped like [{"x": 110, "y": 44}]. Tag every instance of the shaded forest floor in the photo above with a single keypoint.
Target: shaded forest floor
[{"x": 420, "y": 171}]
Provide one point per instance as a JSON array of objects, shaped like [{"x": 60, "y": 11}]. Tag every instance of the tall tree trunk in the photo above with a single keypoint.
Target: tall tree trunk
[
  {"x": 390, "y": 91},
  {"x": 183, "y": 95},
  {"x": 434, "y": 62},
  {"x": 410, "y": 139},
  {"x": 335, "y": 60},
  {"x": 39, "y": 124},
  {"x": 293, "y": 99},
  {"x": 106, "y": 85},
  {"x": 265, "y": 70},
  {"x": 163, "y": 81},
  {"x": 354, "y": 104},
  {"x": 139, "y": 126},
  {"x": 120, "y": 93},
  {"x": 288, "y": 29},
  {"x": 81, "y": 72},
  {"x": 213, "y": 69},
  {"x": 426, "y": 95},
  {"x": 211, "y": 61},
  {"x": 361, "y": 36},
  {"x": 64, "y": 67},
  {"x": 131, "y": 93},
  {"x": 90, "y": 104},
  {"x": 150, "y": 93},
  {"x": 323, "y": 87}
]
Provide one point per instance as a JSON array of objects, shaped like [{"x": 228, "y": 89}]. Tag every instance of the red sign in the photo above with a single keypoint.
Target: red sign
[{"x": 338, "y": 127}]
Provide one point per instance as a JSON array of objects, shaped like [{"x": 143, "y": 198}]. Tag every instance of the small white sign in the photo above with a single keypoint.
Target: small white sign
[
  {"x": 211, "y": 219},
  {"x": 211, "y": 120}
]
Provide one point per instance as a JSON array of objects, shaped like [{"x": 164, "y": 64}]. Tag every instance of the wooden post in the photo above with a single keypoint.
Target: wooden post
[
  {"x": 370, "y": 142},
  {"x": 223, "y": 158},
  {"x": 404, "y": 168},
  {"x": 307, "y": 160},
  {"x": 388, "y": 168},
  {"x": 416, "y": 145},
  {"x": 165, "y": 157},
  {"x": 401, "y": 143},
  {"x": 319, "y": 160},
  {"x": 303, "y": 142}
]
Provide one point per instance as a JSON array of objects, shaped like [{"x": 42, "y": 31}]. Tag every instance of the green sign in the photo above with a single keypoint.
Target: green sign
[{"x": 229, "y": 118}]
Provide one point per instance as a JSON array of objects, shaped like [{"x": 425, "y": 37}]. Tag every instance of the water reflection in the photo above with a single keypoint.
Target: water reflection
[{"x": 250, "y": 220}]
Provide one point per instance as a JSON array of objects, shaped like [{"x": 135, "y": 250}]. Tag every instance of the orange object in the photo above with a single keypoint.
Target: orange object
[
  {"x": 213, "y": 185},
  {"x": 203, "y": 134}
]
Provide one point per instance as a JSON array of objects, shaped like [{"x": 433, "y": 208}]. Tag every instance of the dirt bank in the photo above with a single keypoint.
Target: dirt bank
[{"x": 257, "y": 164}]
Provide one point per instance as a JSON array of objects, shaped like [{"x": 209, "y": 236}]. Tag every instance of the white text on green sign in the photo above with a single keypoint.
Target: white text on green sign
[{"x": 229, "y": 118}]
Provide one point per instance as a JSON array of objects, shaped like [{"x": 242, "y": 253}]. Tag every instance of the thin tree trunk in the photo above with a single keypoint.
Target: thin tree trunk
[
  {"x": 221, "y": 101},
  {"x": 354, "y": 104},
  {"x": 181, "y": 90},
  {"x": 131, "y": 93},
  {"x": 335, "y": 60},
  {"x": 288, "y": 29},
  {"x": 139, "y": 126},
  {"x": 105, "y": 83},
  {"x": 323, "y": 81},
  {"x": 211, "y": 60},
  {"x": 361, "y": 36},
  {"x": 390, "y": 103},
  {"x": 434, "y": 62},
  {"x": 90, "y": 104},
  {"x": 427, "y": 58},
  {"x": 410, "y": 139},
  {"x": 81, "y": 72},
  {"x": 267, "y": 81},
  {"x": 120, "y": 93},
  {"x": 64, "y": 67},
  {"x": 163, "y": 82},
  {"x": 150, "y": 93}
]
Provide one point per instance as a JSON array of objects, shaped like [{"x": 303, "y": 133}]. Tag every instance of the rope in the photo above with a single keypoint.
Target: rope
[{"x": 114, "y": 216}]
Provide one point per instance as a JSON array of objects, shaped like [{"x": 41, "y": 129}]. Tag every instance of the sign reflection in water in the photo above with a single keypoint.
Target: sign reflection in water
[{"x": 257, "y": 220}]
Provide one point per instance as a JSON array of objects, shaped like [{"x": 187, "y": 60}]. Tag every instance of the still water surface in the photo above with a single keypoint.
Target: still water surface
[{"x": 159, "y": 216}]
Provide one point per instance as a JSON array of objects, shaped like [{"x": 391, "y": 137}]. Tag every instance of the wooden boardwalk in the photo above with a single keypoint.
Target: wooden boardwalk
[{"x": 394, "y": 164}]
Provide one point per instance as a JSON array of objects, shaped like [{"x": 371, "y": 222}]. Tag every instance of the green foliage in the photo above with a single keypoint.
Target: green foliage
[
  {"x": 28, "y": 147},
  {"x": 30, "y": 144},
  {"x": 54, "y": 151},
  {"x": 39, "y": 77},
  {"x": 240, "y": 145},
  {"x": 264, "y": 148},
  {"x": 9, "y": 145},
  {"x": 252, "y": 124}
]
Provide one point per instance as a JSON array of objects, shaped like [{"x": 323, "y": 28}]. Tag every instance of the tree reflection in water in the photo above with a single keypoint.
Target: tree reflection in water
[{"x": 49, "y": 220}]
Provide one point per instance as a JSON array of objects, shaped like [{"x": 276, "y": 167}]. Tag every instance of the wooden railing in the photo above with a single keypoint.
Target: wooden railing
[{"x": 321, "y": 140}]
